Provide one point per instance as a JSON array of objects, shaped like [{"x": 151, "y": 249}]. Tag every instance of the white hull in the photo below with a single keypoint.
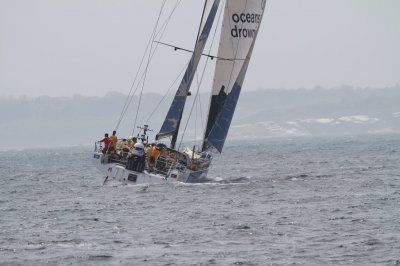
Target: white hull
[{"x": 118, "y": 172}]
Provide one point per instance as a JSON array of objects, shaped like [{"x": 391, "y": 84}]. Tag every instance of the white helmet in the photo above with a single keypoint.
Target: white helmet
[{"x": 138, "y": 149}]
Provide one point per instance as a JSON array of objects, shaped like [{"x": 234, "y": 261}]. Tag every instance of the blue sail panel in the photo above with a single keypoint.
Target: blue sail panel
[
  {"x": 218, "y": 133},
  {"x": 174, "y": 115},
  {"x": 171, "y": 121}
]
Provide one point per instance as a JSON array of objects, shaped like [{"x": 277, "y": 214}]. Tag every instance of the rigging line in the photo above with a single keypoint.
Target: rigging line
[
  {"x": 147, "y": 66},
  {"x": 176, "y": 48},
  {"x": 128, "y": 101},
  {"x": 187, "y": 122},
  {"x": 195, "y": 122},
  {"x": 201, "y": 115},
  {"x": 129, "y": 97},
  {"x": 201, "y": 79},
  {"x": 162, "y": 31},
  {"x": 199, "y": 107},
  {"x": 143, "y": 74},
  {"x": 165, "y": 95},
  {"x": 198, "y": 110},
  {"x": 196, "y": 115},
  {"x": 165, "y": 24}
]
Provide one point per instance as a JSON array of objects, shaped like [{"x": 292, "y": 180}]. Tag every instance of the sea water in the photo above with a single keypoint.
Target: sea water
[{"x": 300, "y": 201}]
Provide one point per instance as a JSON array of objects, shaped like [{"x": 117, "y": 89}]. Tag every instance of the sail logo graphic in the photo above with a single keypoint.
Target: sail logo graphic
[{"x": 245, "y": 19}]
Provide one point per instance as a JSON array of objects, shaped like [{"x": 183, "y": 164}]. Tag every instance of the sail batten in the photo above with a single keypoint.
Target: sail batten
[
  {"x": 239, "y": 31},
  {"x": 172, "y": 121}
]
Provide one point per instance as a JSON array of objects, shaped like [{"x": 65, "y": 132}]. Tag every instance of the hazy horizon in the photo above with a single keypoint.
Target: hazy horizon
[
  {"x": 65, "y": 121},
  {"x": 82, "y": 94}
]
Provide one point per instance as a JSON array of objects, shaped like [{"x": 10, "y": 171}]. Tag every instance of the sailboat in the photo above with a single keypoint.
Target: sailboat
[{"x": 241, "y": 20}]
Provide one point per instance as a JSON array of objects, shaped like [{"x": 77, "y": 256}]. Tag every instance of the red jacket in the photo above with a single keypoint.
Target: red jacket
[{"x": 106, "y": 141}]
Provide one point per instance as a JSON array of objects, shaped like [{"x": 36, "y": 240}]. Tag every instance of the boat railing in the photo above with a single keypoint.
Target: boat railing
[
  {"x": 97, "y": 146},
  {"x": 163, "y": 165}
]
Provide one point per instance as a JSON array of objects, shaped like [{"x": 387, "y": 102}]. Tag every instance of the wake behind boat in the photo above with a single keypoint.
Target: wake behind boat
[{"x": 137, "y": 160}]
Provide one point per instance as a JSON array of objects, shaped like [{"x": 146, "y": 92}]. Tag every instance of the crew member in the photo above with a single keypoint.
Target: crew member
[
  {"x": 114, "y": 141},
  {"x": 107, "y": 143},
  {"x": 132, "y": 142},
  {"x": 152, "y": 155}
]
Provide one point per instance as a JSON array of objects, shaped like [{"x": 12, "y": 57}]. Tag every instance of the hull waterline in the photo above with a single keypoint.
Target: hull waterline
[{"x": 119, "y": 172}]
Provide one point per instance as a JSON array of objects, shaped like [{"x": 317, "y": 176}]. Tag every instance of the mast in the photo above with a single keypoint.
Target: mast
[
  {"x": 172, "y": 121},
  {"x": 175, "y": 135}
]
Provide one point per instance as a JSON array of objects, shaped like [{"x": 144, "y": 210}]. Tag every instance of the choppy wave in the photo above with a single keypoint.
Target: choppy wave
[{"x": 330, "y": 201}]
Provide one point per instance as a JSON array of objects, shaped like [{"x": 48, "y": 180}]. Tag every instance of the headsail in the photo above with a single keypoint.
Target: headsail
[
  {"x": 172, "y": 121},
  {"x": 239, "y": 31}
]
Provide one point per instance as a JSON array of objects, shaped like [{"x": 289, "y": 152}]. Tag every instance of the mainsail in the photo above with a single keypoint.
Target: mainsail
[
  {"x": 240, "y": 26},
  {"x": 172, "y": 121}
]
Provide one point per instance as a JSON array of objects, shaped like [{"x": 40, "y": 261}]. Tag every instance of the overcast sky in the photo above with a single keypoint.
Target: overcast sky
[{"x": 91, "y": 47}]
